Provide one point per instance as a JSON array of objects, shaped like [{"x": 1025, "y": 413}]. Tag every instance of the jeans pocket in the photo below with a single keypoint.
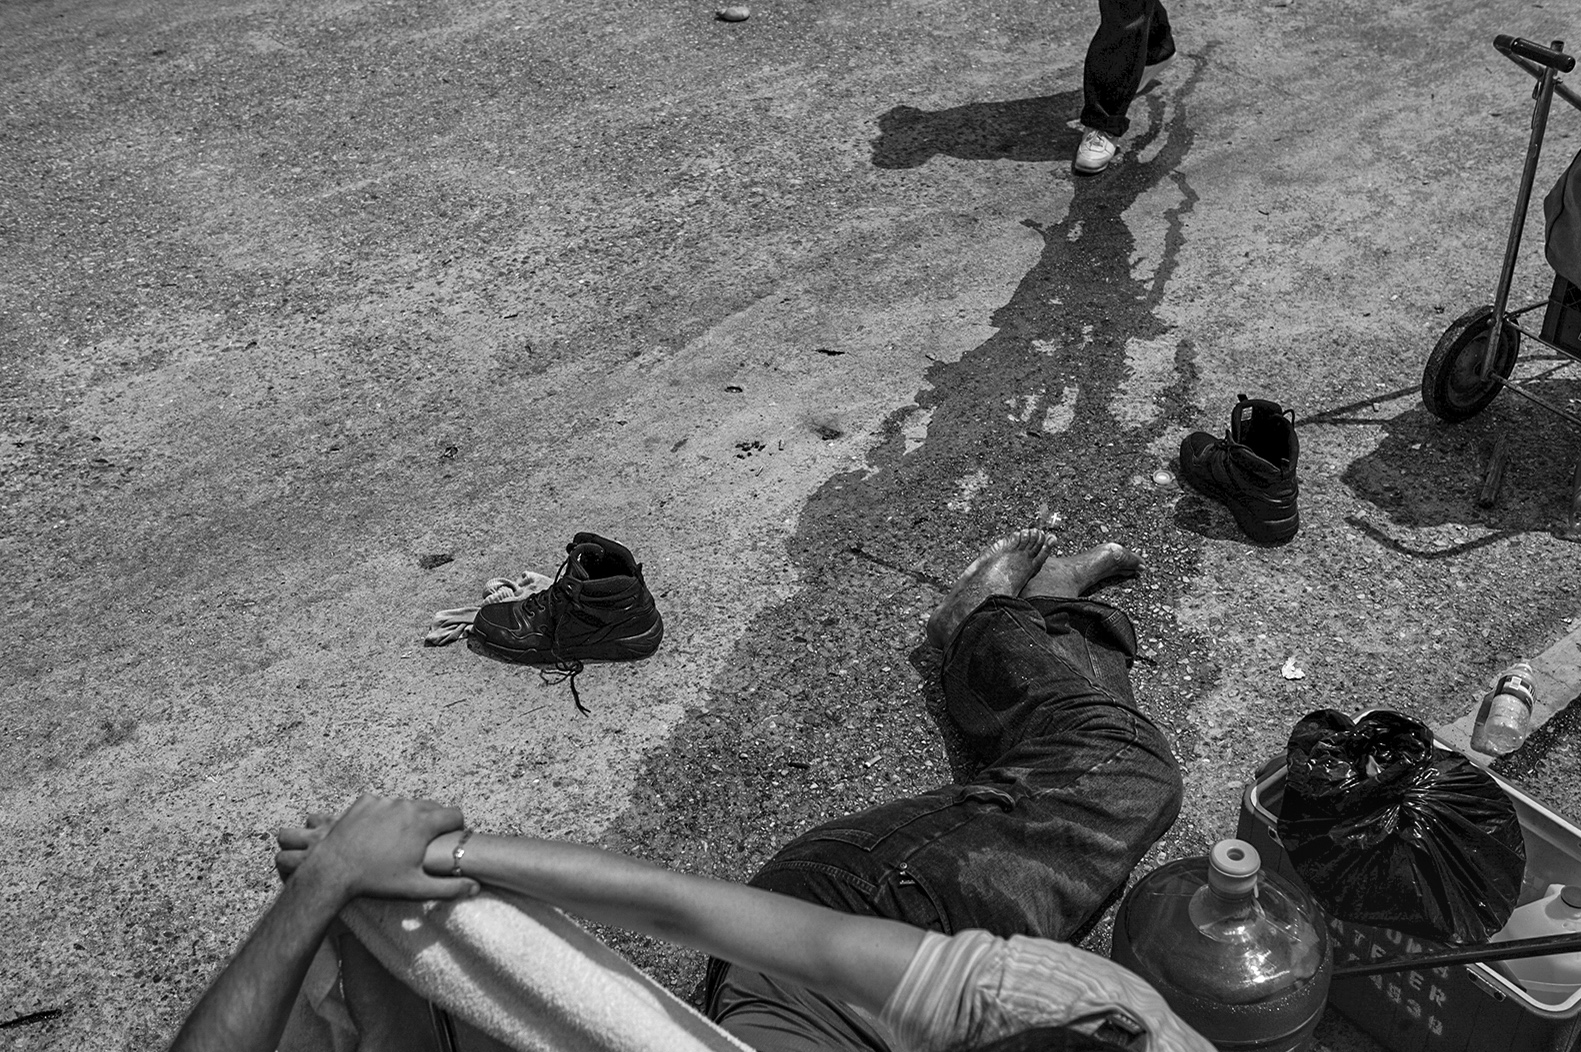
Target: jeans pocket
[{"x": 911, "y": 897}]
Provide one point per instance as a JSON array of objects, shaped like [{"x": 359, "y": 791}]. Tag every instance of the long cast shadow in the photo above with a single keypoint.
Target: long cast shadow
[
  {"x": 1032, "y": 129},
  {"x": 818, "y": 712}
]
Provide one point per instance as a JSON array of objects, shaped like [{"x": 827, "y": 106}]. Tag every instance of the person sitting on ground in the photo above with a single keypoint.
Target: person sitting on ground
[{"x": 938, "y": 921}]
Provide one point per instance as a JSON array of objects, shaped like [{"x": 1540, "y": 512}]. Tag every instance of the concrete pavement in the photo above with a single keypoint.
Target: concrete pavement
[{"x": 804, "y": 309}]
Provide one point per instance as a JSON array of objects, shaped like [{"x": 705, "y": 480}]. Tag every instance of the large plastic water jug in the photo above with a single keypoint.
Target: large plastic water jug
[
  {"x": 1555, "y": 978},
  {"x": 1240, "y": 954}
]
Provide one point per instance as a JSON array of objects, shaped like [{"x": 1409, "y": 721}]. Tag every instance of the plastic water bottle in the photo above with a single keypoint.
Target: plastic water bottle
[
  {"x": 1240, "y": 954},
  {"x": 1505, "y": 718},
  {"x": 1556, "y": 978}
]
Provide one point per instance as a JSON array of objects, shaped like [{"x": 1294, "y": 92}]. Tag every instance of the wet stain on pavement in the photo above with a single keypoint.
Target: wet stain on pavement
[{"x": 830, "y": 703}]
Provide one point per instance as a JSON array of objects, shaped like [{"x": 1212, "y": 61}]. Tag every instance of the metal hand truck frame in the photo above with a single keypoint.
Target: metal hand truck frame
[{"x": 1473, "y": 360}]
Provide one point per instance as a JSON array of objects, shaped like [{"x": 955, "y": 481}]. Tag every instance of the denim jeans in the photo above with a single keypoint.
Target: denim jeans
[
  {"x": 1131, "y": 35},
  {"x": 1075, "y": 785}
]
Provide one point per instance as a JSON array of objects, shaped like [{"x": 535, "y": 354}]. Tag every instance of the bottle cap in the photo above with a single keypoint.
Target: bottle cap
[
  {"x": 1233, "y": 866},
  {"x": 1571, "y": 896}
]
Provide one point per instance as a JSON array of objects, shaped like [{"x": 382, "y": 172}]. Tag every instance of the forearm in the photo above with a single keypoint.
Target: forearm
[
  {"x": 600, "y": 885},
  {"x": 859, "y": 959},
  {"x": 247, "y": 1007}
]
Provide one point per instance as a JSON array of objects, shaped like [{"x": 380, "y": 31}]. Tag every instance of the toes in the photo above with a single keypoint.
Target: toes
[
  {"x": 1123, "y": 559},
  {"x": 1031, "y": 540}
]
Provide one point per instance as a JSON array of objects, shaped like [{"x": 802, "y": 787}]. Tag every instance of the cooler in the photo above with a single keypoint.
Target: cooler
[{"x": 1470, "y": 1007}]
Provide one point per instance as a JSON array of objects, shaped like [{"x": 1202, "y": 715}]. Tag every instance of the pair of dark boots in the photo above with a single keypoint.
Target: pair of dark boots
[
  {"x": 1251, "y": 470},
  {"x": 598, "y": 609}
]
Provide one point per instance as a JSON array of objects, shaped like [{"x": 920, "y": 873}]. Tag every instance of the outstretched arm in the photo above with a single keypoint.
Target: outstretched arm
[
  {"x": 375, "y": 848},
  {"x": 859, "y": 960}
]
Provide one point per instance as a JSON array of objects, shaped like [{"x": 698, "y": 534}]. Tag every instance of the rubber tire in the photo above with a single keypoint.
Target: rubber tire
[{"x": 1450, "y": 391}]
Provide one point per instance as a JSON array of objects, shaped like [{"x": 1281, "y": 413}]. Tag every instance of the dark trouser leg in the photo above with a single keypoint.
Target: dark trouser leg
[
  {"x": 1129, "y": 33},
  {"x": 1076, "y": 786},
  {"x": 1160, "y": 37}
]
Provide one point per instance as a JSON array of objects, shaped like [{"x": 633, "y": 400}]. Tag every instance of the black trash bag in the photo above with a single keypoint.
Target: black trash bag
[{"x": 1389, "y": 831}]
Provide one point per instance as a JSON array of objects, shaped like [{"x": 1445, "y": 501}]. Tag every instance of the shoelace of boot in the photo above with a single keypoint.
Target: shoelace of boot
[
  {"x": 564, "y": 671},
  {"x": 450, "y": 625}
]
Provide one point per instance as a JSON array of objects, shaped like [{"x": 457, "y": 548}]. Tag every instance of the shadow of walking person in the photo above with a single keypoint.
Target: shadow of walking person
[
  {"x": 1029, "y": 130},
  {"x": 1045, "y": 413},
  {"x": 1049, "y": 415}
]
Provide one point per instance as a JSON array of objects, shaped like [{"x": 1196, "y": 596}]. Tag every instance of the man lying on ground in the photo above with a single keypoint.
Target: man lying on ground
[{"x": 932, "y": 922}]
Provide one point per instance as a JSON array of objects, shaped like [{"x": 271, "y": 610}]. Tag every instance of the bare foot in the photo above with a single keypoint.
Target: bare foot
[
  {"x": 1075, "y": 575},
  {"x": 1004, "y": 569}
]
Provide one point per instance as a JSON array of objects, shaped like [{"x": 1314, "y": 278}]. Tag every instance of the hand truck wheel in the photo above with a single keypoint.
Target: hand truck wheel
[{"x": 1452, "y": 387}]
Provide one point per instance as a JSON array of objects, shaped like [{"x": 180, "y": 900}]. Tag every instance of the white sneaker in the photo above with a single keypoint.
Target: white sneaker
[{"x": 1095, "y": 152}]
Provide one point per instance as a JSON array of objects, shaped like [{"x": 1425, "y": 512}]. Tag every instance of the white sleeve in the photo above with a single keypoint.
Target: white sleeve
[
  {"x": 972, "y": 988},
  {"x": 932, "y": 1007}
]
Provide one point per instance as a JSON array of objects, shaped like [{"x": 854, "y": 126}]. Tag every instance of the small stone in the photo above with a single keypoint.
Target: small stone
[{"x": 734, "y": 13}]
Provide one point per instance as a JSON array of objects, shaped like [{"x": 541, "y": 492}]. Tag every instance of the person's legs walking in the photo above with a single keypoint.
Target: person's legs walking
[
  {"x": 1160, "y": 37},
  {"x": 1131, "y": 34}
]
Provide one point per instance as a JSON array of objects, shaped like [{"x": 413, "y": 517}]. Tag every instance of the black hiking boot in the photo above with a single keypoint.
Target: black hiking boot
[
  {"x": 598, "y": 609},
  {"x": 1251, "y": 470}
]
